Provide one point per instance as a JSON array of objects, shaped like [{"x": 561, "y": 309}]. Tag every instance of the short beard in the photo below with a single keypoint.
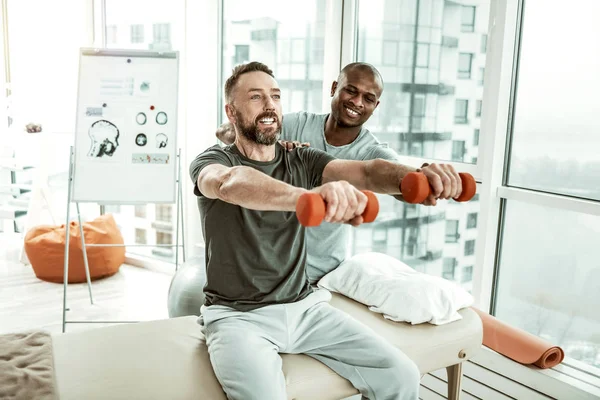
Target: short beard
[{"x": 251, "y": 132}]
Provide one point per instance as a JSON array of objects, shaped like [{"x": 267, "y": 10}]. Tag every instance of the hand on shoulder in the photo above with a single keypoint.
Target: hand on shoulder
[{"x": 291, "y": 145}]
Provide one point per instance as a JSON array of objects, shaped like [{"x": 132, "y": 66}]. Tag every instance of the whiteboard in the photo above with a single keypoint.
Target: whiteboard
[{"x": 126, "y": 129}]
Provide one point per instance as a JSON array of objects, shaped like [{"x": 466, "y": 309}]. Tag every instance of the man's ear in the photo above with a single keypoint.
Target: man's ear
[
  {"x": 230, "y": 111},
  {"x": 333, "y": 87}
]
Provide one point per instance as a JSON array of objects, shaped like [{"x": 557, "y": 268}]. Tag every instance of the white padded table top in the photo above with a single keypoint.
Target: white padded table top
[{"x": 168, "y": 359}]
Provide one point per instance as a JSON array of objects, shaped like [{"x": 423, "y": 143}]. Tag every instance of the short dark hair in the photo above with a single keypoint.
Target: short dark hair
[
  {"x": 240, "y": 70},
  {"x": 364, "y": 67}
]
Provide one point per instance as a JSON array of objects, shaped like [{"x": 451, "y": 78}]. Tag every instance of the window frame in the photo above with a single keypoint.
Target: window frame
[
  {"x": 465, "y": 73},
  {"x": 112, "y": 34},
  {"x": 134, "y": 33},
  {"x": 468, "y": 28},
  {"x": 462, "y": 118},
  {"x": 456, "y": 144},
  {"x": 469, "y": 268},
  {"x": 454, "y": 236},
  {"x": 470, "y": 219},
  {"x": 469, "y": 247},
  {"x": 144, "y": 234},
  {"x": 451, "y": 273}
]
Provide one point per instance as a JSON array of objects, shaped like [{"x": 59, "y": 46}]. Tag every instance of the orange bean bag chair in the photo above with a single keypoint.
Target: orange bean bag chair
[{"x": 45, "y": 248}]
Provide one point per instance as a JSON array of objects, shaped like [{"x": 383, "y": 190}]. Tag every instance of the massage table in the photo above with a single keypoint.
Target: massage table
[{"x": 168, "y": 359}]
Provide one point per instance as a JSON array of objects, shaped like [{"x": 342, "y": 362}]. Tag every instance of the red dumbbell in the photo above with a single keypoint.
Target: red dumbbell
[
  {"x": 310, "y": 208},
  {"x": 415, "y": 187}
]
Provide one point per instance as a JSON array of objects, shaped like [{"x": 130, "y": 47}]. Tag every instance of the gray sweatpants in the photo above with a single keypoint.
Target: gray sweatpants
[{"x": 244, "y": 347}]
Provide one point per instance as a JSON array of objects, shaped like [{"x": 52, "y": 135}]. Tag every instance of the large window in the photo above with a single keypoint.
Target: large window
[
  {"x": 556, "y": 137},
  {"x": 423, "y": 237},
  {"x": 428, "y": 90},
  {"x": 423, "y": 113},
  {"x": 44, "y": 65},
  {"x": 288, "y": 37},
  {"x": 458, "y": 150},
  {"x": 41, "y": 88},
  {"x": 549, "y": 273},
  {"x": 549, "y": 281}
]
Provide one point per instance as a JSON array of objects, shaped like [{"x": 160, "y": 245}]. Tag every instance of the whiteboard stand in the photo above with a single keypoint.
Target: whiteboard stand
[
  {"x": 125, "y": 140},
  {"x": 84, "y": 246}
]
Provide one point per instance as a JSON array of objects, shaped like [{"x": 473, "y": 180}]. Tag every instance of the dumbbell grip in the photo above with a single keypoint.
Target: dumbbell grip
[
  {"x": 311, "y": 208},
  {"x": 415, "y": 187}
]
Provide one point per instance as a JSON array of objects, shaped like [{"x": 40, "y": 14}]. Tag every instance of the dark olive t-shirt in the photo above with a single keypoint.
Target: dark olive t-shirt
[{"x": 256, "y": 258}]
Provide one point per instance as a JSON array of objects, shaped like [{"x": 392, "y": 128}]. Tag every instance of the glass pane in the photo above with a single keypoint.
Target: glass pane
[
  {"x": 42, "y": 85},
  {"x": 288, "y": 37},
  {"x": 435, "y": 59},
  {"x": 435, "y": 240},
  {"x": 556, "y": 137},
  {"x": 422, "y": 55},
  {"x": 159, "y": 27},
  {"x": 468, "y": 19},
  {"x": 44, "y": 64},
  {"x": 549, "y": 279},
  {"x": 390, "y": 52},
  {"x": 464, "y": 65},
  {"x": 461, "y": 109}
]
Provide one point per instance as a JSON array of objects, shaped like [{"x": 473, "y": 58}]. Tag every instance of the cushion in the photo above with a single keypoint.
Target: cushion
[
  {"x": 45, "y": 248},
  {"x": 390, "y": 287}
]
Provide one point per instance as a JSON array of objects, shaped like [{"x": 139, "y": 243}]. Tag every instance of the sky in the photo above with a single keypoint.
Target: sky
[{"x": 557, "y": 97}]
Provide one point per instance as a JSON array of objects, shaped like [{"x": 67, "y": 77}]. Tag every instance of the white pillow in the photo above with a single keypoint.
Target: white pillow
[{"x": 392, "y": 288}]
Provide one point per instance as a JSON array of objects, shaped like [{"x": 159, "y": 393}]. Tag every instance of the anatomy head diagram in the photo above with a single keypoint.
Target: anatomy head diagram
[{"x": 105, "y": 138}]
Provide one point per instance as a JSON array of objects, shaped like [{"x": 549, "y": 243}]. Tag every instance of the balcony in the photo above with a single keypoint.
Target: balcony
[
  {"x": 426, "y": 88},
  {"x": 425, "y": 136},
  {"x": 408, "y": 222},
  {"x": 162, "y": 226}
]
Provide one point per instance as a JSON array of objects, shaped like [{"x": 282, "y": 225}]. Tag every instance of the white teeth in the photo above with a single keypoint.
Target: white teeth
[
  {"x": 352, "y": 112},
  {"x": 267, "y": 121}
]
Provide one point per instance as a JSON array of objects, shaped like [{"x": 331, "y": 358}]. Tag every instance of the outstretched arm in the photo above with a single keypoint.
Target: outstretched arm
[
  {"x": 248, "y": 188},
  {"x": 383, "y": 176}
]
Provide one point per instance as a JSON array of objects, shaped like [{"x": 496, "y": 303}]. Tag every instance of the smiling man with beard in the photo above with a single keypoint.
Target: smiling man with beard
[{"x": 258, "y": 300}]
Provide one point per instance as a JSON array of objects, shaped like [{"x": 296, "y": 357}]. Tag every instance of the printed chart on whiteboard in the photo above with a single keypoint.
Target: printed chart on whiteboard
[{"x": 126, "y": 129}]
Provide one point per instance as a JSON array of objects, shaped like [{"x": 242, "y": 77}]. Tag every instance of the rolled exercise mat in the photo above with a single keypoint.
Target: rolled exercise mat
[
  {"x": 310, "y": 208},
  {"x": 517, "y": 344},
  {"x": 415, "y": 187}
]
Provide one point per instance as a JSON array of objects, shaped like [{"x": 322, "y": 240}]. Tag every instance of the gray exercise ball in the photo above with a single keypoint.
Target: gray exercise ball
[{"x": 185, "y": 293}]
